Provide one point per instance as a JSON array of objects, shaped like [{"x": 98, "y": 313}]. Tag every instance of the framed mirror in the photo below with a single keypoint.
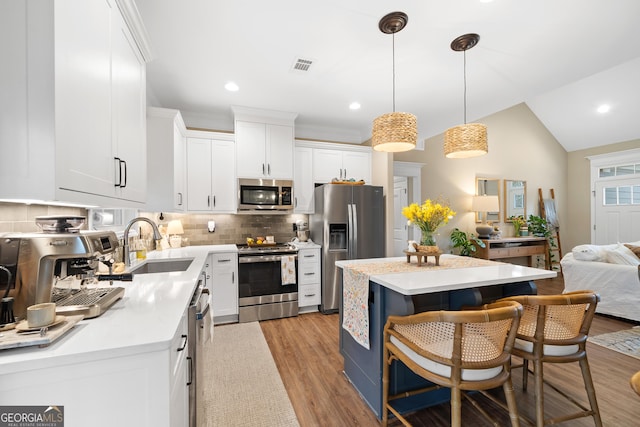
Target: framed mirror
[
  {"x": 489, "y": 187},
  {"x": 515, "y": 199}
]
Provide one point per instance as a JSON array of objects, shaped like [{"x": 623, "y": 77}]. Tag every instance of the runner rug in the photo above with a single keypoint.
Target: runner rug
[
  {"x": 240, "y": 385},
  {"x": 626, "y": 341}
]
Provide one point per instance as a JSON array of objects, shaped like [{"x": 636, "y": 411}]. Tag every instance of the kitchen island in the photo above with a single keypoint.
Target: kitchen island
[
  {"x": 391, "y": 286},
  {"x": 116, "y": 369}
]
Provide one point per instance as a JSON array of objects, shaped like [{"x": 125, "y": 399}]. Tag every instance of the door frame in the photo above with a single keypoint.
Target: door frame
[
  {"x": 617, "y": 158},
  {"x": 413, "y": 172}
]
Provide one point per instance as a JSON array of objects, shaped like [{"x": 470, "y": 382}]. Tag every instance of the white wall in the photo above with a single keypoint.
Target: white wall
[{"x": 520, "y": 148}]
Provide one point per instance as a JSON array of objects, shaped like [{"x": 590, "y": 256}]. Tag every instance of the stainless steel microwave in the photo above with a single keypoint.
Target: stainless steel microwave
[{"x": 265, "y": 195}]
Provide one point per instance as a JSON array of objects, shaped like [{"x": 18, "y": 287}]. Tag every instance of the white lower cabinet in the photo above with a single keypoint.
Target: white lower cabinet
[
  {"x": 223, "y": 269},
  {"x": 309, "y": 277},
  {"x": 143, "y": 389},
  {"x": 179, "y": 390}
]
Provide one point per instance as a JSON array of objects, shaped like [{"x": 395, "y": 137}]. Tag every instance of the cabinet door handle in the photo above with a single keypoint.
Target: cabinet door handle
[
  {"x": 125, "y": 174},
  {"x": 308, "y": 256},
  {"x": 184, "y": 343},
  {"x": 295, "y": 202},
  {"x": 309, "y": 274},
  {"x": 225, "y": 260},
  {"x": 263, "y": 169},
  {"x": 190, "y": 380},
  {"x": 179, "y": 199},
  {"x": 233, "y": 277},
  {"x": 309, "y": 295},
  {"x": 214, "y": 201},
  {"x": 118, "y": 171},
  {"x": 269, "y": 169},
  {"x": 208, "y": 201}
]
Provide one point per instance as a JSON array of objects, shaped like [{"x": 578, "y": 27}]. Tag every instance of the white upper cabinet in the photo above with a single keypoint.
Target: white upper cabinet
[
  {"x": 211, "y": 178},
  {"x": 166, "y": 150},
  {"x": 342, "y": 162},
  {"x": 303, "y": 180},
  {"x": 264, "y": 143},
  {"x": 75, "y": 110}
]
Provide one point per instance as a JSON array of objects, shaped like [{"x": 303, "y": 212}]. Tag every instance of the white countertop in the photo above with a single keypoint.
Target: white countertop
[
  {"x": 438, "y": 280},
  {"x": 145, "y": 319}
]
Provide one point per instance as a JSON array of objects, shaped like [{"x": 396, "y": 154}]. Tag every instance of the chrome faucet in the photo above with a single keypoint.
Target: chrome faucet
[{"x": 125, "y": 245}]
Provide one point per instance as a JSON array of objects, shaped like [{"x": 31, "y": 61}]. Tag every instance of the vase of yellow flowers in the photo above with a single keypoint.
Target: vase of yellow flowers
[
  {"x": 428, "y": 217},
  {"x": 519, "y": 224}
]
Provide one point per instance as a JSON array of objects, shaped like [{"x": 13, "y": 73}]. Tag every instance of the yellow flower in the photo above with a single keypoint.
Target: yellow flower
[{"x": 428, "y": 216}]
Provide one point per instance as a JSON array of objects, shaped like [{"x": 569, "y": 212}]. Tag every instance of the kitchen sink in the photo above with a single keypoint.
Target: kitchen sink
[{"x": 162, "y": 266}]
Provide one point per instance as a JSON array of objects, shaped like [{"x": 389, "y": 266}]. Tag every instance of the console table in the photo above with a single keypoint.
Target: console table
[{"x": 512, "y": 247}]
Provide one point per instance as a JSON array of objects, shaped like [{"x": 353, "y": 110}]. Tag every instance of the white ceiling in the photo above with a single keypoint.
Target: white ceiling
[{"x": 562, "y": 58}]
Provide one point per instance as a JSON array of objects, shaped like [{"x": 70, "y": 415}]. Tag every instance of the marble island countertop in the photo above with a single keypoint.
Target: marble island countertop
[
  {"x": 455, "y": 272},
  {"x": 144, "y": 320}
]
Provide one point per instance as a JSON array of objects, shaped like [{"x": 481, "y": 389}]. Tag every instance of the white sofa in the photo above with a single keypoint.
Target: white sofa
[{"x": 611, "y": 270}]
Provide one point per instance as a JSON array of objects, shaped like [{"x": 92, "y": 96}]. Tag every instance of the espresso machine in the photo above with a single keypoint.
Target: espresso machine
[{"x": 37, "y": 261}]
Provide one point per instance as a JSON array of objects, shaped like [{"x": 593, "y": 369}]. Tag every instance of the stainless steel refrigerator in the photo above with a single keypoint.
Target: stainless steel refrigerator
[{"x": 349, "y": 224}]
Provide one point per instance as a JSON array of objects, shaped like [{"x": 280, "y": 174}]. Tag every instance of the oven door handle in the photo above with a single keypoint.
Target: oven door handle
[{"x": 262, "y": 258}]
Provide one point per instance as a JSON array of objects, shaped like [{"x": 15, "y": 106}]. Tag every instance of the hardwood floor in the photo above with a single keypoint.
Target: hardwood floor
[{"x": 305, "y": 349}]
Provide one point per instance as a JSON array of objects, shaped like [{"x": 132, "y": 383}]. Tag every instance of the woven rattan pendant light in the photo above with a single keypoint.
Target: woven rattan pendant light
[
  {"x": 468, "y": 139},
  {"x": 394, "y": 132}
]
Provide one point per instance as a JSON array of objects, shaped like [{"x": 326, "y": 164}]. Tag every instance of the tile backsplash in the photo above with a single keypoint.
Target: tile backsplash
[{"x": 230, "y": 229}]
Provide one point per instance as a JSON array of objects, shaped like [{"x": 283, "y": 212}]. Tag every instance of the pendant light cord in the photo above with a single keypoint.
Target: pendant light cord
[
  {"x": 465, "y": 84},
  {"x": 393, "y": 65}
]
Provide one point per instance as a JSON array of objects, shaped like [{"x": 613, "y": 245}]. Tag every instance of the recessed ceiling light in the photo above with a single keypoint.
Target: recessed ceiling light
[
  {"x": 354, "y": 106},
  {"x": 231, "y": 87},
  {"x": 604, "y": 108}
]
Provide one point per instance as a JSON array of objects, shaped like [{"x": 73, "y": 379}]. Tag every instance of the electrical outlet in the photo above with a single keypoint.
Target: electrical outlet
[{"x": 295, "y": 227}]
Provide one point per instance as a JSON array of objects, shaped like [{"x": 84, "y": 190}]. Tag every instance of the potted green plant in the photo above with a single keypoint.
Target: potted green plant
[
  {"x": 538, "y": 226},
  {"x": 465, "y": 243}
]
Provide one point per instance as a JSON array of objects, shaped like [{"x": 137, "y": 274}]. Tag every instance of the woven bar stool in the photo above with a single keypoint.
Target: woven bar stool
[
  {"x": 554, "y": 329},
  {"x": 460, "y": 350}
]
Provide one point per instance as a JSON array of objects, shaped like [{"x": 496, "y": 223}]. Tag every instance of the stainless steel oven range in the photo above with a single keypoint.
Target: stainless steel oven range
[{"x": 262, "y": 293}]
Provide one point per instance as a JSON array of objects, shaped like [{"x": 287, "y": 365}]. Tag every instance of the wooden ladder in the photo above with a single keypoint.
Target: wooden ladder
[{"x": 554, "y": 248}]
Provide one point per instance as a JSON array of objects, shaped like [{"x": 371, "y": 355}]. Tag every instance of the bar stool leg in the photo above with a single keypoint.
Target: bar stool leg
[
  {"x": 591, "y": 392},
  {"x": 385, "y": 387},
  {"x": 511, "y": 402},
  {"x": 456, "y": 404},
  {"x": 539, "y": 385}
]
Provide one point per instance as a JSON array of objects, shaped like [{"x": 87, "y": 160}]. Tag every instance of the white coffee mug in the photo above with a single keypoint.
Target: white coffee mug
[{"x": 40, "y": 315}]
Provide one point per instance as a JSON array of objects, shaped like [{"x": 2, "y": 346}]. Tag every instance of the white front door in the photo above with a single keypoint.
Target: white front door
[
  {"x": 400, "y": 228},
  {"x": 617, "y": 210}
]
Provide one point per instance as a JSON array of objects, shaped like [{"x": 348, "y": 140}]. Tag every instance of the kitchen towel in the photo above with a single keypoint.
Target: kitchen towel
[
  {"x": 355, "y": 296},
  {"x": 288, "y": 267},
  {"x": 207, "y": 322}
]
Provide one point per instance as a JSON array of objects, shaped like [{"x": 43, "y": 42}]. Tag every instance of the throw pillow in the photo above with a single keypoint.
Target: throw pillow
[
  {"x": 634, "y": 249},
  {"x": 622, "y": 255},
  {"x": 590, "y": 253}
]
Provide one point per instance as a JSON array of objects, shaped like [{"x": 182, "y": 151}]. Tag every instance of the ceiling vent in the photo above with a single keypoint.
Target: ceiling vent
[{"x": 301, "y": 65}]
